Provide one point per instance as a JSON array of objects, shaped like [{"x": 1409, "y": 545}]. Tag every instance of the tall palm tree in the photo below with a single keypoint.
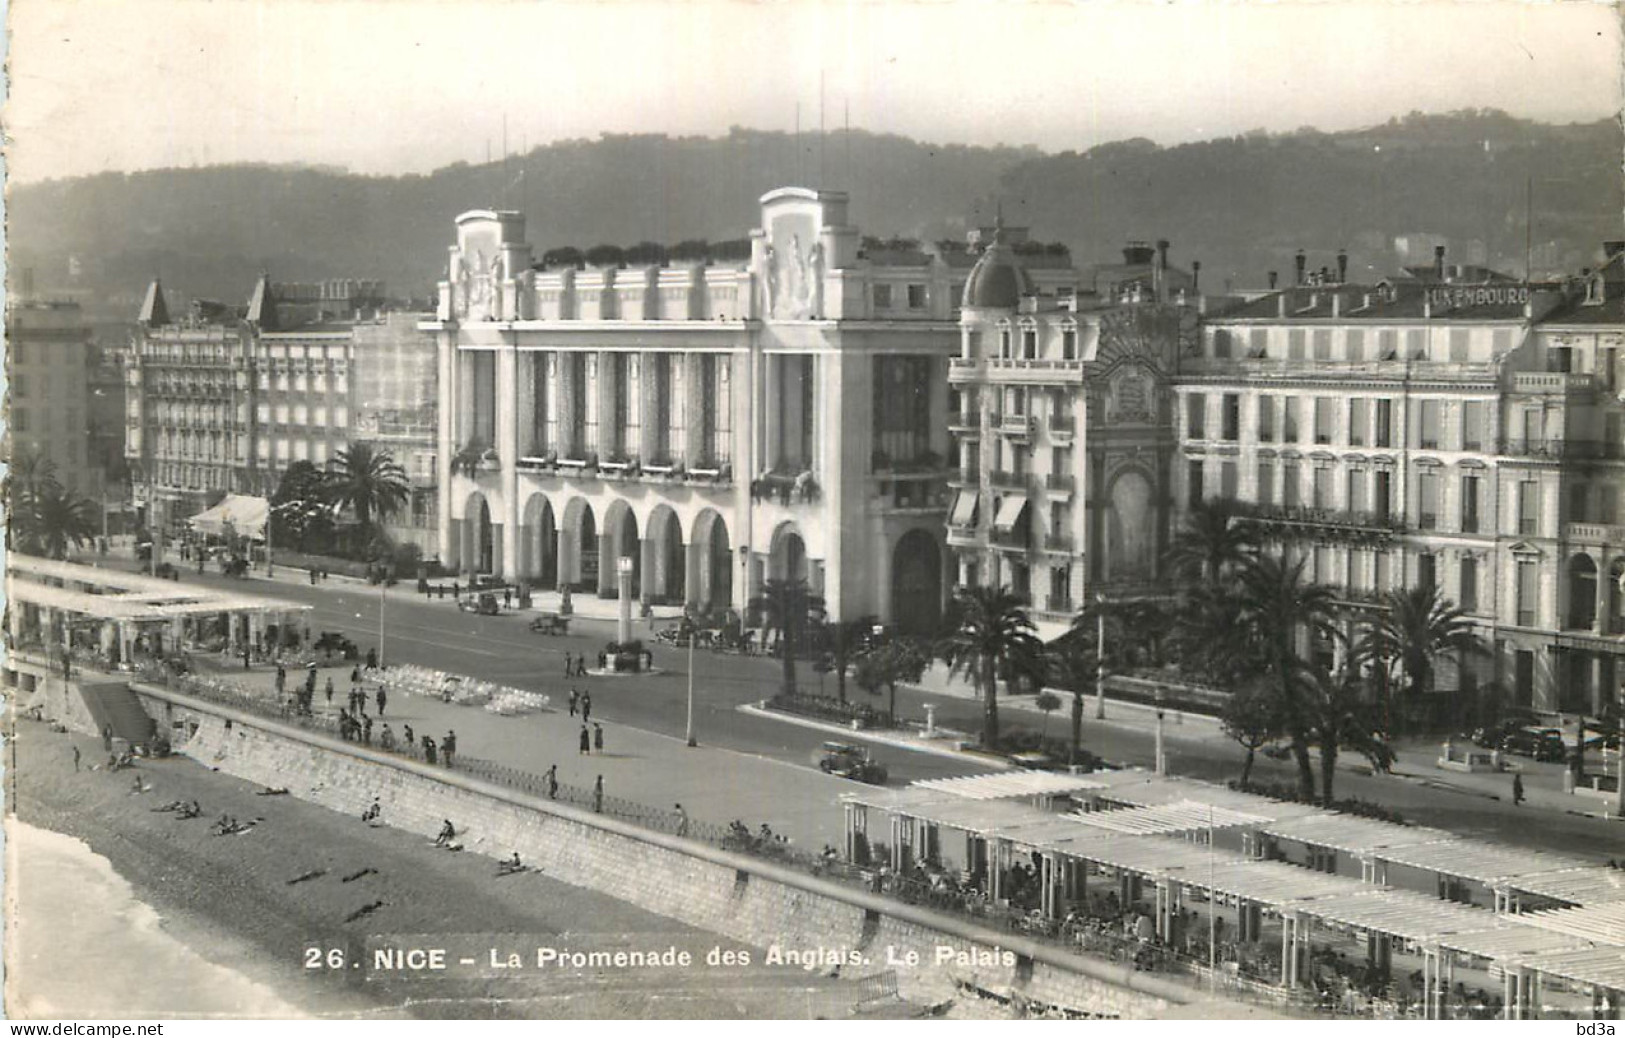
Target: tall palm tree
[
  {"x": 367, "y": 481},
  {"x": 1280, "y": 613},
  {"x": 1341, "y": 716},
  {"x": 59, "y": 518},
  {"x": 1204, "y": 634},
  {"x": 789, "y": 607},
  {"x": 1075, "y": 667},
  {"x": 1216, "y": 538},
  {"x": 1418, "y": 625},
  {"x": 994, "y": 635}
]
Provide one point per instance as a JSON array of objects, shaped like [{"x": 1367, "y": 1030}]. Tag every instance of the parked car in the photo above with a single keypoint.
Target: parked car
[
  {"x": 1493, "y": 736},
  {"x": 848, "y": 761},
  {"x": 485, "y": 604},
  {"x": 1543, "y": 744}
]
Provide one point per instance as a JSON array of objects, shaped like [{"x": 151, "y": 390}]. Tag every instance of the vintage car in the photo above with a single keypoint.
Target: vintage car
[
  {"x": 848, "y": 761},
  {"x": 484, "y": 603}
]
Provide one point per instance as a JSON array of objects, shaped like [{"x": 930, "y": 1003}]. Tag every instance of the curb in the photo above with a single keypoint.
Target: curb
[{"x": 868, "y": 736}]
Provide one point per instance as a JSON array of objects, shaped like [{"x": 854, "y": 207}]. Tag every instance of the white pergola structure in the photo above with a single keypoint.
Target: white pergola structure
[
  {"x": 1328, "y": 834},
  {"x": 1498, "y": 868},
  {"x": 1602, "y": 969},
  {"x": 125, "y": 605}
]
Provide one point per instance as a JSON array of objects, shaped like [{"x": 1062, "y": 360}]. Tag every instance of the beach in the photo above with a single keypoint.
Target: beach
[{"x": 120, "y": 910}]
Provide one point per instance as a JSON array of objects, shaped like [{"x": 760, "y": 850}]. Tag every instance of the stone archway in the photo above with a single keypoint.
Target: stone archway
[
  {"x": 1582, "y": 611},
  {"x": 478, "y": 550},
  {"x": 714, "y": 573},
  {"x": 1130, "y": 528},
  {"x": 539, "y": 543},
  {"x": 665, "y": 564},
  {"x": 916, "y": 584},
  {"x": 620, "y": 540},
  {"x": 787, "y": 554},
  {"x": 578, "y": 547}
]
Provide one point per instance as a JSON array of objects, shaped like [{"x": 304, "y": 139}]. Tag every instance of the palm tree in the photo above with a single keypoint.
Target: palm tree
[
  {"x": 1340, "y": 716},
  {"x": 1252, "y": 717},
  {"x": 1216, "y": 538},
  {"x": 369, "y": 482},
  {"x": 789, "y": 607},
  {"x": 1075, "y": 667},
  {"x": 1204, "y": 634},
  {"x": 1416, "y": 627},
  {"x": 1279, "y": 612},
  {"x": 842, "y": 642},
  {"x": 893, "y": 662},
  {"x": 994, "y": 635},
  {"x": 59, "y": 518}
]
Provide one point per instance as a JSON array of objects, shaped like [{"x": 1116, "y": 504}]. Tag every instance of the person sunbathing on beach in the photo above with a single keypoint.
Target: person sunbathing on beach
[
  {"x": 372, "y": 812},
  {"x": 447, "y": 833},
  {"x": 173, "y": 805},
  {"x": 191, "y": 810},
  {"x": 510, "y": 865}
]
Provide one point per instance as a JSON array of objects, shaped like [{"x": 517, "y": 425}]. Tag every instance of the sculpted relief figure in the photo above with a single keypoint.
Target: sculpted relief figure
[
  {"x": 812, "y": 275},
  {"x": 772, "y": 264}
]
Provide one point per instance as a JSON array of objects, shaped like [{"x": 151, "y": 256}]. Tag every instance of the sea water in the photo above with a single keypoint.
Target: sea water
[{"x": 80, "y": 944}]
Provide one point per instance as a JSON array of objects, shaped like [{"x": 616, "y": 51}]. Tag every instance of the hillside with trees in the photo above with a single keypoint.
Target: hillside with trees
[{"x": 1242, "y": 205}]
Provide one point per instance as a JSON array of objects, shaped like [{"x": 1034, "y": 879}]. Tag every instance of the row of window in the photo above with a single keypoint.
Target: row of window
[
  {"x": 914, "y": 296},
  {"x": 1364, "y": 422},
  {"x": 1359, "y": 345},
  {"x": 1365, "y": 492},
  {"x": 1063, "y": 346}
]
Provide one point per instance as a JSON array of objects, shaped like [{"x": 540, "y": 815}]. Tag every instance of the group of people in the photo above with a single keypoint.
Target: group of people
[
  {"x": 593, "y": 740},
  {"x": 575, "y": 667}
]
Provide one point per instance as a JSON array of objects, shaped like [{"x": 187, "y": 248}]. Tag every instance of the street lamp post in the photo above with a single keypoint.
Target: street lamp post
[
  {"x": 1161, "y": 763},
  {"x": 693, "y": 636},
  {"x": 623, "y": 621},
  {"x": 1100, "y": 657},
  {"x": 382, "y": 584}
]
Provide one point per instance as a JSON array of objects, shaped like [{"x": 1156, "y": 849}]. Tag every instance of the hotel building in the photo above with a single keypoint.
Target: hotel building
[
  {"x": 717, "y": 424},
  {"x": 1463, "y": 433}
]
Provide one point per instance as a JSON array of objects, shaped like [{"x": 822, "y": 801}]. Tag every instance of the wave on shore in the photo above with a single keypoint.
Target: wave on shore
[{"x": 80, "y": 944}]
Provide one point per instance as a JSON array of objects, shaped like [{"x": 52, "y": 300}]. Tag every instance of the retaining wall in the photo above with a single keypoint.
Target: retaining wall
[{"x": 752, "y": 901}]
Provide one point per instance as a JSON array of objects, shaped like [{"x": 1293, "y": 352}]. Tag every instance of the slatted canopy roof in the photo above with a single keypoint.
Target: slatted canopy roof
[
  {"x": 1487, "y": 863},
  {"x": 1143, "y": 789},
  {"x": 1512, "y": 940},
  {"x": 1593, "y": 885},
  {"x": 1604, "y": 923},
  {"x": 1604, "y": 967},
  {"x": 117, "y": 595},
  {"x": 976, "y": 816},
  {"x": 1352, "y": 834},
  {"x": 1146, "y": 855},
  {"x": 1276, "y": 883},
  {"x": 1180, "y": 817},
  {"x": 1001, "y": 785},
  {"x": 1403, "y": 913}
]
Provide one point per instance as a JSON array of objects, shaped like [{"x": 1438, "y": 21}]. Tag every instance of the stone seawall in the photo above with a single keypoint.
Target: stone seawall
[{"x": 752, "y": 901}]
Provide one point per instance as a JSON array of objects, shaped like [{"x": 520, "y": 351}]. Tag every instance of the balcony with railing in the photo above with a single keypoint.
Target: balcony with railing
[
  {"x": 1006, "y": 479},
  {"x": 1060, "y": 482},
  {"x": 1553, "y": 449},
  {"x": 1059, "y": 604},
  {"x": 1595, "y": 533},
  {"x": 964, "y": 422},
  {"x": 1552, "y": 382},
  {"x": 1359, "y": 529},
  {"x": 1062, "y": 426},
  {"x": 1058, "y": 542},
  {"x": 1016, "y": 538},
  {"x": 1015, "y": 426}
]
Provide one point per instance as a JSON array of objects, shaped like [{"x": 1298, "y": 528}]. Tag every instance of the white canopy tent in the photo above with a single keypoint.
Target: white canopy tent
[{"x": 245, "y": 516}]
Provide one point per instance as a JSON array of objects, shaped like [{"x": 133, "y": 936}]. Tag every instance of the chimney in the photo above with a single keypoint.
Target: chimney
[
  {"x": 1337, "y": 304},
  {"x": 1273, "y": 278},
  {"x": 1196, "y": 274},
  {"x": 1342, "y": 266},
  {"x": 1438, "y": 263},
  {"x": 1299, "y": 261},
  {"x": 1280, "y": 305}
]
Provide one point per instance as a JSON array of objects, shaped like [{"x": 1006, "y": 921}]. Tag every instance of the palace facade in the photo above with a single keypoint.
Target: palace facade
[{"x": 717, "y": 424}]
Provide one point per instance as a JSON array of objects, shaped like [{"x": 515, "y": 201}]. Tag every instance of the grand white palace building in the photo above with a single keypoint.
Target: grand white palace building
[{"x": 717, "y": 424}]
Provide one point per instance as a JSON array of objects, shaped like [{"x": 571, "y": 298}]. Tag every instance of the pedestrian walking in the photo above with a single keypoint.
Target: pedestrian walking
[
  {"x": 682, "y": 821},
  {"x": 586, "y": 740},
  {"x": 586, "y": 707},
  {"x": 598, "y": 737},
  {"x": 372, "y": 659},
  {"x": 507, "y": 597},
  {"x": 407, "y": 741},
  {"x": 329, "y": 690},
  {"x": 366, "y": 729},
  {"x": 1517, "y": 790},
  {"x": 581, "y": 665},
  {"x": 428, "y": 749},
  {"x": 598, "y": 795},
  {"x": 574, "y": 699},
  {"x": 386, "y": 739},
  {"x": 448, "y": 746},
  {"x": 570, "y": 669},
  {"x": 281, "y": 679},
  {"x": 382, "y": 699},
  {"x": 76, "y": 760},
  {"x": 355, "y": 674},
  {"x": 107, "y": 737},
  {"x": 553, "y": 782}
]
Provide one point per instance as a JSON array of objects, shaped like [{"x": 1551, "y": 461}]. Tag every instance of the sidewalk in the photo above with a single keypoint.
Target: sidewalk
[
  {"x": 943, "y": 744},
  {"x": 1417, "y": 764}
]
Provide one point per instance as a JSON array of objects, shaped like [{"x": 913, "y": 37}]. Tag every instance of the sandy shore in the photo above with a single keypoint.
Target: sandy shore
[{"x": 225, "y": 903}]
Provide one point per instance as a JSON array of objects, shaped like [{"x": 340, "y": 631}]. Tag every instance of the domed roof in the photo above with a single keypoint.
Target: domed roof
[{"x": 998, "y": 281}]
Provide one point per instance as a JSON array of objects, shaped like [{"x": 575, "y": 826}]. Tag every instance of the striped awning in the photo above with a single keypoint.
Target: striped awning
[{"x": 1003, "y": 785}]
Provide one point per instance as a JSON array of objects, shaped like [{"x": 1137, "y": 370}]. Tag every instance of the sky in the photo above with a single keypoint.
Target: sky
[{"x": 391, "y": 86}]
